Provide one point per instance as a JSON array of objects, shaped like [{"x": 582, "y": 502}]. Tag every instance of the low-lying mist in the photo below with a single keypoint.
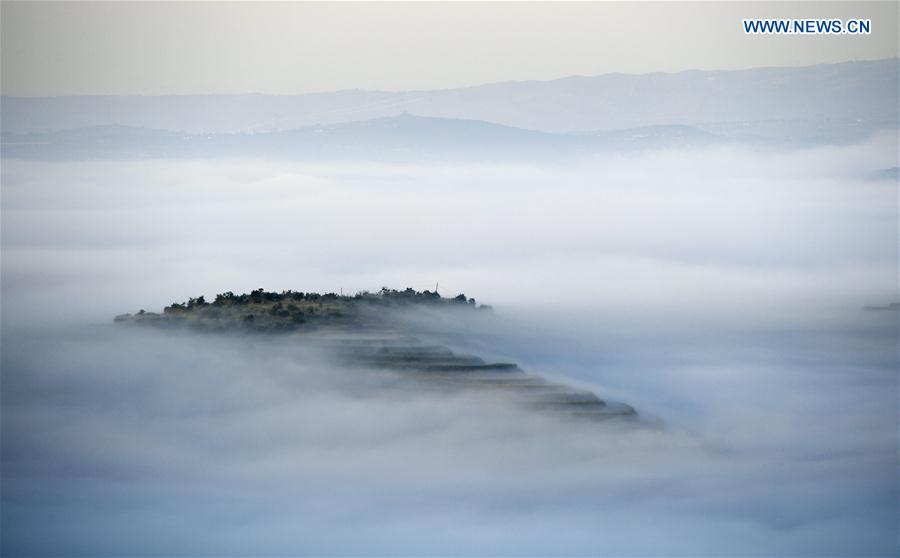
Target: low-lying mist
[{"x": 720, "y": 292}]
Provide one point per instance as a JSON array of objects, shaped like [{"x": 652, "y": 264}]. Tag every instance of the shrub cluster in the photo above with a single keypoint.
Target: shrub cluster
[{"x": 259, "y": 296}]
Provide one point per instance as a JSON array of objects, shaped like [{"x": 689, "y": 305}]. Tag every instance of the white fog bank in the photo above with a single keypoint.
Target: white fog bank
[
  {"x": 719, "y": 233},
  {"x": 720, "y": 292}
]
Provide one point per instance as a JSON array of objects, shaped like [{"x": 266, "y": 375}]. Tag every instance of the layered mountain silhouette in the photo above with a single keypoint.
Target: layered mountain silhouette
[
  {"x": 865, "y": 91},
  {"x": 532, "y": 120},
  {"x": 408, "y": 138}
]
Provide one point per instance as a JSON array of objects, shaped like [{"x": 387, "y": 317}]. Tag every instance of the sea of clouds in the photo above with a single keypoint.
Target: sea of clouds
[{"x": 720, "y": 291}]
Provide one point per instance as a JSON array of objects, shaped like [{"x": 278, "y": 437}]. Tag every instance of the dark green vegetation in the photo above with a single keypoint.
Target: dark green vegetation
[
  {"x": 367, "y": 330},
  {"x": 293, "y": 310}
]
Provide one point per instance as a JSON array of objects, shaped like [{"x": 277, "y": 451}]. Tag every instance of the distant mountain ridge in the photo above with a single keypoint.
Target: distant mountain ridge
[
  {"x": 399, "y": 138},
  {"x": 408, "y": 138},
  {"x": 851, "y": 91}
]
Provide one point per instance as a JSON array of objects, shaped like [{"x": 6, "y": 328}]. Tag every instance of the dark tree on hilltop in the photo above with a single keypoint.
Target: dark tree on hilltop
[{"x": 383, "y": 296}]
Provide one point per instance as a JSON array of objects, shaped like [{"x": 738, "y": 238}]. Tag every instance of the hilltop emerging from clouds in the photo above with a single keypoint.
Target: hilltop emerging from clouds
[{"x": 390, "y": 331}]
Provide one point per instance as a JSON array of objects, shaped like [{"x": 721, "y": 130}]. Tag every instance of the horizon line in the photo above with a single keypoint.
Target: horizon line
[{"x": 455, "y": 88}]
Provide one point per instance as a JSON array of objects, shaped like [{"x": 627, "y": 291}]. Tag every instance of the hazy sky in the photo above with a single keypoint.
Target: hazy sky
[{"x": 81, "y": 48}]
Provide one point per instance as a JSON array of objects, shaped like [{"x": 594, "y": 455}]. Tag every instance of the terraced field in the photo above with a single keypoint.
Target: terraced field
[{"x": 358, "y": 332}]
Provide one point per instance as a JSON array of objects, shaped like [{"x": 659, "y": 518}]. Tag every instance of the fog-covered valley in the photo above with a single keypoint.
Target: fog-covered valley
[{"x": 720, "y": 290}]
